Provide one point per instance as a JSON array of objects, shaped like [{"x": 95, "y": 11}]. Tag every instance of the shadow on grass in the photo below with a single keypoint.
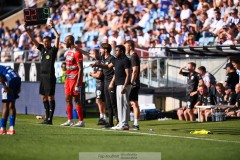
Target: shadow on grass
[
  {"x": 165, "y": 124},
  {"x": 214, "y": 131},
  {"x": 113, "y": 134},
  {"x": 226, "y": 131}
]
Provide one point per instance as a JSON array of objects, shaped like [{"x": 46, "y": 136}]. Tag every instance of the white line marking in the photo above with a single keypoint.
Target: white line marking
[{"x": 151, "y": 134}]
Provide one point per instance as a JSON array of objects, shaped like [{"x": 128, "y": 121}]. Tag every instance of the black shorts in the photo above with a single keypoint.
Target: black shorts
[
  {"x": 47, "y": 85},
  {"x": 191, "y": 101},
  {"x": 100, "y": 91},
  {"x": 133, "y": 96}
]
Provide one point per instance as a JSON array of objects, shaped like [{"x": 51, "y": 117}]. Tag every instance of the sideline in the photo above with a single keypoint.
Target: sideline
[{"x": 147, "y": 134}]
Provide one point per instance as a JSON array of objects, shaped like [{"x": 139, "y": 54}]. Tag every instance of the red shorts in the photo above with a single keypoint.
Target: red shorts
[{"x": 70, "y": 87}]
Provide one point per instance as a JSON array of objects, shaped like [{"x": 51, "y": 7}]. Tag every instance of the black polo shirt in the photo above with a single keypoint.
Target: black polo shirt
[
  {"x": 120, "y": 65},
  {"x": 192, "y": 81},
  {"x": 108, "y": 73},
  {"x": 231, "y": 98},
  {"x": 232, "y": 79},
  {"x": 238, "y": 100},
  {"x": 206, "y": 99},
  {"x": 220, "y": 98},
  {"x": 98, "y": 69},
  {"x": 48, "y": 57},
  {"x": 135, "y": 61}
]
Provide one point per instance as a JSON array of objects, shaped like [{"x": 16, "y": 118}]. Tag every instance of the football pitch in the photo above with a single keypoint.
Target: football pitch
[{"x": 170, "y": 137}]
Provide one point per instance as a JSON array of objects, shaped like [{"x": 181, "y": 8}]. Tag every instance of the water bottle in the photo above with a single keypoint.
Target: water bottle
[
  {"x": 188, "y": 104},
  {"x": 131, "y": 116},
  {"x": 217, "y": 116},
  {"x": 213, "y": 116},
  {"x": 220, "y": 116},
  {"x": 208, "y": 101},
  {"x": 223, "y": 116}
]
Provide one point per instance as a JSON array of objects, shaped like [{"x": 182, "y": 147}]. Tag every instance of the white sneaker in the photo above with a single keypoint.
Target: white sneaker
[
  {"x": 116, "y": 127},
  {"x": 123, "y": 127},
  {"x": 68, "y": 123},
  {"x": 79, "y": 124}
]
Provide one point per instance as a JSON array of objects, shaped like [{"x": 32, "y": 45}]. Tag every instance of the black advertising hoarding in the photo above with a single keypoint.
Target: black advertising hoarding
[{"x": 29, "y": 72}]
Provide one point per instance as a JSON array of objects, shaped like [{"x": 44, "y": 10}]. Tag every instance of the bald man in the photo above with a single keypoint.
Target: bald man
[{"x": 73, "y": 84}]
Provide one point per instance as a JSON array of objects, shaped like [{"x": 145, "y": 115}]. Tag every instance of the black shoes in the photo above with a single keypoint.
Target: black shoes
[
  {"x": 107, "y": 126},
  {"x": 102, "y": 121},
  {"x": 47, "y": 122},
  {"x": 134, "y": 127}
]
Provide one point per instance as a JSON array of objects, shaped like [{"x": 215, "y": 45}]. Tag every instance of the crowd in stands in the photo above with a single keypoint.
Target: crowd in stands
[{"x": 150, "y": 23}]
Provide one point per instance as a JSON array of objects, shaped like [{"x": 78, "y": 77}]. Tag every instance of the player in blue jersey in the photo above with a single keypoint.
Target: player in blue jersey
[{"x": 11, "y": 85}]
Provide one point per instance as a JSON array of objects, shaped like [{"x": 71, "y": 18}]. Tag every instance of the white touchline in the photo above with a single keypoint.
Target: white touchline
[{"x": 150, "y": 134}]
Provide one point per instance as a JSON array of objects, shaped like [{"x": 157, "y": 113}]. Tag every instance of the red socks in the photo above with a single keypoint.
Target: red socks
[
  {"x": 79, "y": 112},
  {"x": 69, "y": 112}
]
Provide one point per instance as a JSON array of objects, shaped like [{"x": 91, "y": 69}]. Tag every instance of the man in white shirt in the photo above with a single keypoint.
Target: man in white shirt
[
  {"x": 217, "y": 24},
  {"x": 115, "y": 37},
  {"x": 186, "y": 12}
]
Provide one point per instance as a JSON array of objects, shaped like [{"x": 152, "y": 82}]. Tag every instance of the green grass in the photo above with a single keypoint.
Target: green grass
[{"x": 171, "y": 138}]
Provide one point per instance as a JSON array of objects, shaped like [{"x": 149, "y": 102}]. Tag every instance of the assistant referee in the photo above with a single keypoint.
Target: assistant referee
[{"x": 47, "y": 71}]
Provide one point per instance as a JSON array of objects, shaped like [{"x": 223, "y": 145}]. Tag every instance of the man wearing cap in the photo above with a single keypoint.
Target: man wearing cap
[
  {"x": 232, "y": 77},
  {"x": 168, "y": 23},
  {"x": 163, "y": 33},
  {"x": 230, "y": 96}
]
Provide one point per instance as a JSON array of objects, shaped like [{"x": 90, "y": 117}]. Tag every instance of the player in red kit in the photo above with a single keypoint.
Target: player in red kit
[{"x": 73, "y": 84}]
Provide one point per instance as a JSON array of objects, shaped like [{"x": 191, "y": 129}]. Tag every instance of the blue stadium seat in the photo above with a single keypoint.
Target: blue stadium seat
[
  {"x": 75, "y": 29},
  {"x": 205, "y": 41},
  {"x": 89, "y": 43},
  {"x": 154, "y": 15},
  {"x": 211, "y": 40},
  {"x": 200, "y": 41},
  {"x": 160, "y": 13},
  {"x": 58, "y": 28},
  {"x": 84, "y": 37}
]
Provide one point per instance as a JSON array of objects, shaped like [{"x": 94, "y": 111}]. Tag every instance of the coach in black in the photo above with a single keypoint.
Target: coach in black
[
  {"x": 109, "y": 90},
  {"x": 193, "y": 80},
  {"x": 232, "y": 77},
  {"x": 121, "y": 79},
  {"x": 100, "y": 99},
  {"x": 47, "y": 71},
  {"x": 134, "y": 81}
]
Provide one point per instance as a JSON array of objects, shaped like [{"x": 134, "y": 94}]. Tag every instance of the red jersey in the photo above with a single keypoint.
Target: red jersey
[{"x": 72, "y": 59}]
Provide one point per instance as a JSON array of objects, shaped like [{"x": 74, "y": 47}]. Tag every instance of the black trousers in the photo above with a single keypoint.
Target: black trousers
[{"x": 111, "y": 102}]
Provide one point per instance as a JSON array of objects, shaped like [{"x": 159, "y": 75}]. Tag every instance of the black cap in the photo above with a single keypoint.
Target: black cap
[
  {"x": 229, "y": 65},
  {"x": 228, "y": 87}
]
